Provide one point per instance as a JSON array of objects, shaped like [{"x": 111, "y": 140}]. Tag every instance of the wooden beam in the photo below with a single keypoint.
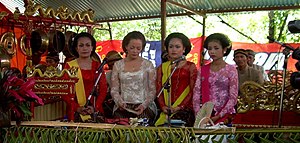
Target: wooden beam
[
  {"x": 163, "y": 6},
  {"x": 201, "y": 61},
  {"x": 186, "y": 8}
]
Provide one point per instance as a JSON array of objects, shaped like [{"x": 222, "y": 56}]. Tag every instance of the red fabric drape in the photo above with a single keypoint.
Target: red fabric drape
[
  {"x": 19, "y": 59},
  {"x": 3, "y": 8}
]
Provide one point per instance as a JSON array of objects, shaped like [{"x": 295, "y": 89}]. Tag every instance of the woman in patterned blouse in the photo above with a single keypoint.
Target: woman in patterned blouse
[
  {"x": 217, "y": 81},
  {"x": 133, "y": 81}
]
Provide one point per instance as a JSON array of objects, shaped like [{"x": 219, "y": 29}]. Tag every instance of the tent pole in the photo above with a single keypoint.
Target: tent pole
[
  {"x": 203, "y": 38},
  {"x": 186, "y": 8},
  {"x": 163, "y": 23}
]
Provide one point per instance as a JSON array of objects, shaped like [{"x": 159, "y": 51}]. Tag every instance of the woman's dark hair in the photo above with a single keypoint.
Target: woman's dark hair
[
  {"x": 185, "y": 41},
  {"x": 75, "y": 43},
  {"x": 133, "y": 35},
  {"x": 222, "y": 38},
  {"x": 164, "y": 56}
]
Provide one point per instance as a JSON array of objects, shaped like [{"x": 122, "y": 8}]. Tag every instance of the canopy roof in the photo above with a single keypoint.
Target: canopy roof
[{"x": 118, "y": 10}]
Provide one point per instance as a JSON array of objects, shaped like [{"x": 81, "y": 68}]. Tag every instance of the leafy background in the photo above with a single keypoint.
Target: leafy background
[{"x": 257, "y": 25}]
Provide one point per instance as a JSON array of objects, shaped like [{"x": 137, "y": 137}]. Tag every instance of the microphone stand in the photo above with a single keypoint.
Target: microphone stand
[
  {"x": 167, "y": 86},
  {"x": 93, "y": 92},
  {"x": 286, "y": 53}
]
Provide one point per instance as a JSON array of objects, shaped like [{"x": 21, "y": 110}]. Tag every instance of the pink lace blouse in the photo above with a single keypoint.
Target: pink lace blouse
[{"x": 223, "y": 90}]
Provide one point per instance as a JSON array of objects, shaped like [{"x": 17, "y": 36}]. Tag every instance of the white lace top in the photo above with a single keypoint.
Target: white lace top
[{"x": 136, "y": 87}]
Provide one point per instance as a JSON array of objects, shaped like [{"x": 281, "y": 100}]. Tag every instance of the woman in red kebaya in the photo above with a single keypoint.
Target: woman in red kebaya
[
  {"x": 83, "y": 48},
  {"x": 182, "y": 81}
]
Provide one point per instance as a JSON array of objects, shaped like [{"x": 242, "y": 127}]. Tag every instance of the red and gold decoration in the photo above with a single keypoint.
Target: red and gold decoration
[
  {"x": 39, "y": 30},
  {"x": 56, "y": 90},
  {"x": 259, "y": 104},
  {"x": 62, "y": 12}
]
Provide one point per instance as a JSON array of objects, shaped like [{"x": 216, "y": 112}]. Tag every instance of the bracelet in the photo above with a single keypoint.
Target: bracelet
[{"x": 221, "y": 115}]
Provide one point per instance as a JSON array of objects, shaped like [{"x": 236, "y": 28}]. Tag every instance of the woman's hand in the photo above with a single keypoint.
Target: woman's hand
[
  {"x": 122, "y": 106},
  {"x": 165, "y": 109},
  {"x": 89, "y": 110},
  {"x": 215, "y": 118},
  {"x": 176, "y": 109},
  {"x": 140, "y": 109},
  {"x": 80, "y": 110},
  {"x": 85, "y": 110},
  {"x": 173, "y": 110}
]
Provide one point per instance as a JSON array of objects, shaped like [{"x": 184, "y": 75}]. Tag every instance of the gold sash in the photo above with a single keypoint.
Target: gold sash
[
  {"x": 166, "y": 70},
  {"x": 79, "y": 86},
  {"x": 79, "y": 89}
]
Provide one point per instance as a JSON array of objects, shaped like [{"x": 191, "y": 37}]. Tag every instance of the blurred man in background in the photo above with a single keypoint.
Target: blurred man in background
[{"x": 251, "y": 59}]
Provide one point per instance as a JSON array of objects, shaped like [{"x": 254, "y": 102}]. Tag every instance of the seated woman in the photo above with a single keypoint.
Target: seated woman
[
  {"x": 133, "y": 81},
  {"x": 182, "y": 81},
  {"x": 83, "y": 48},
  {"x": 217, "y": 81}
]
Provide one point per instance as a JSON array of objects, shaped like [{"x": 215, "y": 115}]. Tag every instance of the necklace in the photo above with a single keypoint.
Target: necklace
[{"x": 132, "y": 65}]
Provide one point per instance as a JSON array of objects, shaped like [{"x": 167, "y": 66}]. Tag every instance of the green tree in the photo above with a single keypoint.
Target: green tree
[{"x": 255, "y": 25}]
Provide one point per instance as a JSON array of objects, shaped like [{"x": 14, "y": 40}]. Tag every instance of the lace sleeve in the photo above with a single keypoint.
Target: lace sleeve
[
  {"x": 197, "y": 93},
  {"x": 151, "y": 77},
  {"x": 115, "y": 84},
  {"x": 233, "y": 92}
]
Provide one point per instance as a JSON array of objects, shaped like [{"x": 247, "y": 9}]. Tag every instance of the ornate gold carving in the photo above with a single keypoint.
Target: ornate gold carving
[
  {"x": 9, "y": 42},
  {"x": 3, "y": 14},
  {"x": 53, "y": 97},
  {"x": 267, "y": 96},
  {"x": 51, "y": 86},
  {"x": 16, "y": 14},
  {"x": 62, "y": 12},
  {"x": 55, "y": 80},
  {"x": 50, "y": 92},
  {"x": 52, "y": 72}
]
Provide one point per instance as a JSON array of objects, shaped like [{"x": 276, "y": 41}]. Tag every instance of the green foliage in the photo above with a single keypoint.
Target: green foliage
[
  {"x": 253, "y": 24},
  {"x": 151, "y": 28},
  {"x": 279, "y": 20},
  {"x": 145, "y": 135}
]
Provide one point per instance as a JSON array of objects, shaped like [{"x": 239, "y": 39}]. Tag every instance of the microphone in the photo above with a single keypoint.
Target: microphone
[
  {"x": 102, "y": 64},
  {"x": 178, "y": 59},
  {"x": 282, "y": 44}
]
